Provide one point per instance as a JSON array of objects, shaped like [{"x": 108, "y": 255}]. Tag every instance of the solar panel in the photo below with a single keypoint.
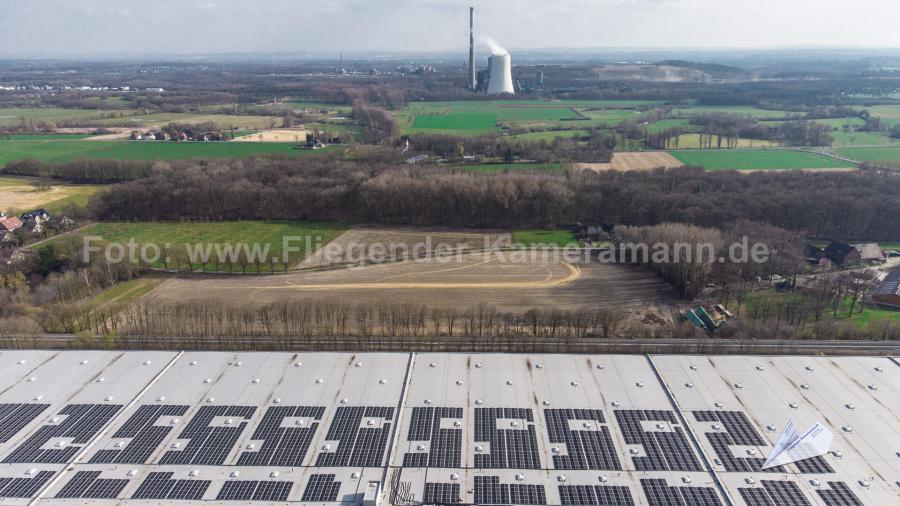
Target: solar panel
[
  {"x": 839, "y": 495},
  {"x": 160, "y": 486},
  {"x": 14, "y": 417},
  {"x": 321, "y": 488},
  {"x": 210, "y": 445},
  {"x": 510, "y": 447},
  {"x": 81, "y": 422},
  {"x": 254, "y": 490},
  {"x": 145, "y": 435},
  {"x": 441, "y": 493},
  {"x": 588, "y": 448},
  {"x": 358, "y": 445},
  {"x": 283, "y": 446},
  {"x": 89, "y": 485},
  {"x": 659, "y": 494},
  {"x": 489, "y": 490},
  {"x": 24, "y": 488},
  {"x": 664, "y": 450},
  {"x": 606, "y": 495},
  {"x": 738, "y": 431},
  {"x": 445, "y": 449},
  {"x": 774, "y": 493}
]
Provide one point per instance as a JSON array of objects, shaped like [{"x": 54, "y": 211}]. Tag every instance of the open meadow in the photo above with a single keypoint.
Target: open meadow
[
  {"x": 880, "y": 154},
  {"x": 66, "y": 151},
  {"x": 768, "y": 159},
  {"x": 20, "y": 194}
]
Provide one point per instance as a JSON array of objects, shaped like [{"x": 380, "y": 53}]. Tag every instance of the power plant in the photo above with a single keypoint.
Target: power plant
[
  {"x": 501, "y": 75},
  {"x": 499, "y": 65},
  {"x": 473, "y": 79}
]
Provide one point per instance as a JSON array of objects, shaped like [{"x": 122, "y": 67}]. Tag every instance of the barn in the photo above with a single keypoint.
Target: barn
[{"x": 888, "y": 293}]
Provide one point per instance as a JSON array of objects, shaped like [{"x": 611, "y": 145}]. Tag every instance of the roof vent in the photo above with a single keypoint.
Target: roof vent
[
  {"x": 586, "y": 425},
  {"x": 685, "y": 479},
  {"x": 689, "y": 384},
  {"x": 459, "y": 382},
  {"x": 382, "y": 381},
  {"x": 479, "y": 448},
  {"x": 513, "y": 423},
  {"x": 509, "y": 382},
  {"x": 717, "y": 404},
  {"x": 520, "y": 477},
  {"x": 561, "y": 477},
  {"x": 31, "y": 471},
  {"x": 433, "y": 364},
  {"x": 661, "y": 426},
  {"x": 161, "y": 398},
  {"x": 118, "y": 444},
  {"x": 555, "y": 449},
  {"x": 809, "y": 368},
  {"x": 54, "y": 419},
  {"x": 273, "y": 474},
  {"x": 20, "y": 362},
  {"x": 601, "y": 366},
  {"x": 633, "y": 451},
  {"x": 837, "y": 453},
  {"x": 749, "y": 480},
  {"x": 193, "y": 362},
  {"x": 739, "y": 385},
  {"x": 108, "y": 398},
  {"x": 146, "y": 362},
  {"x": 716, "y": 426},
  {"x": 83, "y": 362},
  {"x": 133, "y": 472},
  {"x": 751, "y": 451},
  {"x": 879, "y": 369},
  {"x": 814, "y": 482},
  {"x": 235, "y": 474},
  {"x": 326, "y": 446},
  {"x": 478, "y": 365},
  {"x": 319, "y": 381},
  {"x": 692, "y": 367},
  {"x": 238, "y": 364},
  {"x": 250, "y": 446},
  {"x": 457, "y": 423},
  {"x": 851, "y": 406},
  {"x": 38, "y": 397},
  {"x": 208, "y": 380},
  {"x": 540, "y": 366},
  {"x": 615, "y": 404},
  {"x": 277, "y": 400},
  {"x": 101, "y": 379},
  {"x": 173, "y": 421},
  {"x": 603, "y": 478},
  {"x": 794, "y": 405},
  {"x": 873, "y": 387},
  {"x": 230, "y": 421},
  {"x": 32, "y": 379},
  {"x": 864, "y": 483},
  {"x": 298, "y": 364},
  {"x": 370, "y": 422},
  {"x": 574, "y": 383},
  {"x": 478, "y": 402},
  {"x": 454, "y": 476},
  {"x": 299, "y": 422},
  {"x": 210, "y": 399},
  {"x": 358, "y": 364},
  {"x": 770, "y": 428},
  {"x": 194, "y": 472},
  {"x": 421, "y": 448},
  {"x": 176, "y": 445},
  {"x": 639, "y": 384},
  {"x": 354, "y": 475},
  {"x": 760, "y": 368},
  {"x": 255, "y": 381},
  {"x": 344, "y": 400},
  {"x": 427, "y": 401},
  {"x": 546, "y": 402},
  {"x": 804, "y": 386},
  {"x": 847, "y": 428}
]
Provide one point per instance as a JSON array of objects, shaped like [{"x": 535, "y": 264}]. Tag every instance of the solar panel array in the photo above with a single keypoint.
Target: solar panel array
[
  {"x": 658, "y": 493},
  {"x": 512, "y": 447},
  {"x": 664, "y": 450},
  {"x": 283, "y": 446},
  {"x": 145, "y": 435},
  {"x": 14, "y": 417},
  {"x": 160, "y": 485},
  {"x": 538, "y": 442},
  {"x": 489, "y": 490},
  {"x": 24, "y": 488},
  {"x": 589, "y": 447},
  {"x": 605, "y": 495},
  {"x": 441, "y": 493},
  {"x": 255, "y": 490},
  {"x": 79, "y": 422},
  {"x": 445, "y": 448},
  {"x": 210, "y": 445},
  {"x": 358, "y": 445},
  {"x": 89, "y": 485},
  {"x": 321, "y": 488}
]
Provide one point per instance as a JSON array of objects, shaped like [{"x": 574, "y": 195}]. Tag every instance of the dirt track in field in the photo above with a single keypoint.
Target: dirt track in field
[
  {"x": 465, "y": 281},
  {"x": 647, "y": 160}
]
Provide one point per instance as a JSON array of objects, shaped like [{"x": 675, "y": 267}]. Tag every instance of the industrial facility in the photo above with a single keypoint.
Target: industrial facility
[
  {"x": 108, "y": 427},
  {"x": 499, "y": 74}
]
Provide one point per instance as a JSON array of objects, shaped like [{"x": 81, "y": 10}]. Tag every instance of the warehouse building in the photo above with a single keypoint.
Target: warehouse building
[{"x": 105, "y": 427}]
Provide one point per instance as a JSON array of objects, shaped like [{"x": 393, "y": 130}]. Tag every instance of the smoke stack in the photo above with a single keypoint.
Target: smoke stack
[
  {"x": 501, "y": 75},
  {"x": 473, "y": 79}
]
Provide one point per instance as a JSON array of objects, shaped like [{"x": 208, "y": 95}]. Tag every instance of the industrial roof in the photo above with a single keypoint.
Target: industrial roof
[{"x": 105, "y": 427}]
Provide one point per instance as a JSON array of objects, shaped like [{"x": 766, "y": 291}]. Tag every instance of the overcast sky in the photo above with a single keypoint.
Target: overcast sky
[{"x": 94, "y": 27}]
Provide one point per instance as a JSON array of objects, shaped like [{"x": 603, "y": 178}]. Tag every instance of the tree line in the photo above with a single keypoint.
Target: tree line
[{"x": 376, "y": 190}]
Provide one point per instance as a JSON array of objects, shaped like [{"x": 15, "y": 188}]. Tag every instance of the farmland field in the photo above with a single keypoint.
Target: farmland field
[
  {"x": 885, "y": 154},
  {"x": 177, "y": 235},
  {"x": 692, "y": 141},
  {"x": 640, "y": 160},
  {"x": 740, "y": 110},
  {"x": 65, "y": 151},
  {"x": 851, "y": 139},
  {"x": 18, "y": 194},
  {"x": 549, "y": 135},
  {"x": 51, "y": 114},
  {"x": 775, "y": 159},
  {"x": 224, "y": 121},
  {"x": 889, "y": 114}
]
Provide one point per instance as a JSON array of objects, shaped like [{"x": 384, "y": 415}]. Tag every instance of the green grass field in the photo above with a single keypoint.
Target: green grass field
[
  {"x": 886, "y": 154},
  {"x": 535, "y": 113},
  {"x": 65, "y": 151},
  {"x": 850, "y": 139},
  {"x": 549, "y": 135},
  {"x": 775, "y": 159},
  {"x": 45, "y": 137},
  {"x": 176, "y": 235},
  {"x": 730, "y": 109},
  {"x": 889, "y": 114},
  {"x": 51, "y": 114},
  {"x": 224, "y": 121},
  {"x": 869, "y": 315},
  {"x": 17, "y": 195},
  {"x": 560, "y": 238},
  {"x": 500, "y": 167}
]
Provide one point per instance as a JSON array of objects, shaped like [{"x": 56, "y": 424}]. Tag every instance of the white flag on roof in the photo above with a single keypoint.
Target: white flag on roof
[{"x": 792, "y": 447}]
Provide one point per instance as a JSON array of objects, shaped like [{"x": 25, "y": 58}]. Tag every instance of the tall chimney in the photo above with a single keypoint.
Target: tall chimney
[{"x": 473, "y": 78}]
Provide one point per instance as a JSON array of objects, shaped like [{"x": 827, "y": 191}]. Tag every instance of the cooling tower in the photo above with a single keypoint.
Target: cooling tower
[
  {"x": 501, "y": 75},
  {"x": 473, "y": 82}
]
